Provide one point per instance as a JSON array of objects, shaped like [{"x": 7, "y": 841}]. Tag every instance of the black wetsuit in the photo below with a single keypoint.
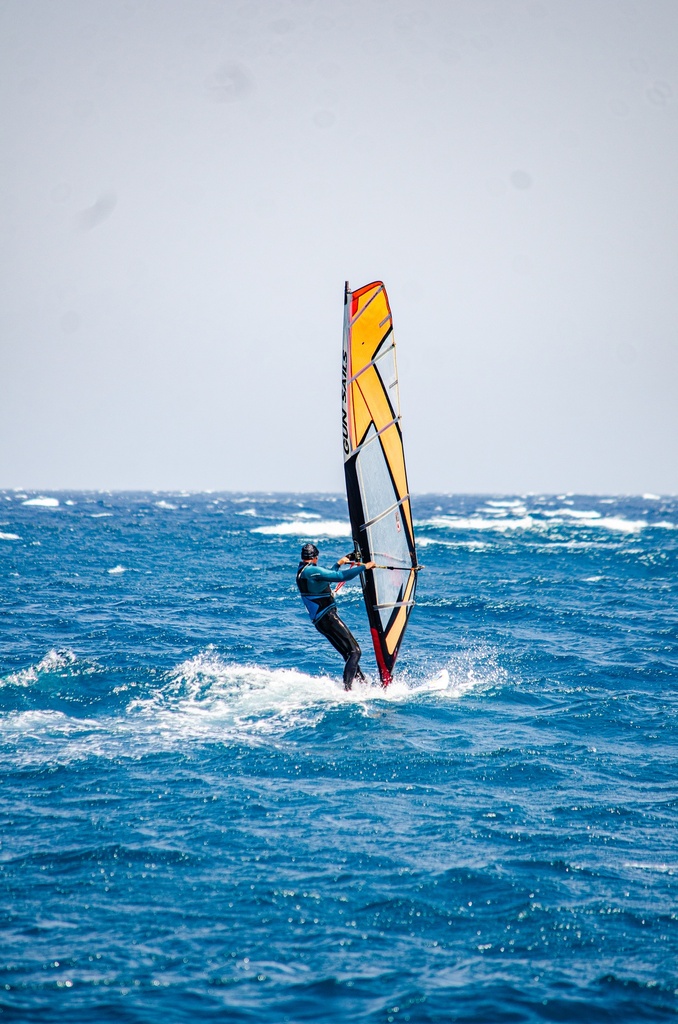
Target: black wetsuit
[
  {"x": 342, "y": 639},
  {"x": 314, "y": 586}
]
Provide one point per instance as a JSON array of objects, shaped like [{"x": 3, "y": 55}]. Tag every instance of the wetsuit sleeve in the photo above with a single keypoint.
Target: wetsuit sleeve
[
  {"x": 334, "y": 575},
  {"x": 351, "y": 572}
]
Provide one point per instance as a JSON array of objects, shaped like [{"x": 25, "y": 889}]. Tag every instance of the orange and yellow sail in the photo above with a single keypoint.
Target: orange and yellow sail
[{"x": 374, "y": 464}]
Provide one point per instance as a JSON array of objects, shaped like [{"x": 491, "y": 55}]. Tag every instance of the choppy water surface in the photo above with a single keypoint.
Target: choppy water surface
[{"x": 199, "y": 824}]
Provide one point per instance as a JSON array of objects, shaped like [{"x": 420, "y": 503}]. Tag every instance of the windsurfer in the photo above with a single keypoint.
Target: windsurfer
[{"x": 314, "y": 585}]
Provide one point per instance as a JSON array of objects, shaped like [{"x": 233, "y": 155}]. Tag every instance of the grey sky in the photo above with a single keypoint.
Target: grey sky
[{"x": 186, "y": 184}]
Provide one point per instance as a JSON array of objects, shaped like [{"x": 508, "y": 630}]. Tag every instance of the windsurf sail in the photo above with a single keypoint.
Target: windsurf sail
[{"x": 374, "y": 464}]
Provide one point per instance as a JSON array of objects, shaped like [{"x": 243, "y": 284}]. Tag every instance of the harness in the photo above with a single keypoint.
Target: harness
[{"x": 316, "y": 604}]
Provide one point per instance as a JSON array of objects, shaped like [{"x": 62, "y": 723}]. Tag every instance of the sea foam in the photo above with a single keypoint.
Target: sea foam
[
  {"x": 476, "y": 523},
  {"x": 42, "y": 502},
  {"x": 306, "y": 528},
  {"x": 207, "y": 699}
]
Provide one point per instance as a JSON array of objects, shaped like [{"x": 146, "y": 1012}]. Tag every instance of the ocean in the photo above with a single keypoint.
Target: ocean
[{"x": 199, "y": 824}]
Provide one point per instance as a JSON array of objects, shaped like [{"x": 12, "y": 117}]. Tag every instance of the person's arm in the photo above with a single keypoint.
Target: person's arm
[
  {"x": 353, "y": 570},
  {"x": 336, "y": 575},
  {"x": 320, "y": 575},
  {"x": 348, "y": 559}
]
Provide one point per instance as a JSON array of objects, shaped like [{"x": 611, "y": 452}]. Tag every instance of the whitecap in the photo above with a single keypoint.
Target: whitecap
[
  {"x": 100, "y": 515},
  {"x": 652, "y": 497},
  {"x": 42, "y": 502},
  {"x": 9, "y": 536},
  {"x": 165, "y": 504},
  {"x": 506, "y": 504},
  {"x": 501, "y": 513},
  {"x": 116, "y": 570},
  {"x": 590, "y": 518},
  {"x": 574, "y": 545},
  {"x": 52, "y": 662},
  {"x": 205, "y": 699},
  {"x": 617, "y": 523},
  {"x": 247, "y": 512},
  {"x": 304, "y": 528},
  {"x": 574, "y": 513},
  {"x": 206, "y": 684},
  {"x": 663, "y": 869},
  {"x": 476, "y": 523},
  {"x": 43, "y": 724},
  {"x": 441, "y": 684},
  {"x": 468, "y": 545}
]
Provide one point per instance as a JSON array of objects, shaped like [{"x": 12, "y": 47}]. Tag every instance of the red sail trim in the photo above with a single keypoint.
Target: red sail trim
[
  {"x": 356, "y": 296},
  {"x": 384, "y": 673}
]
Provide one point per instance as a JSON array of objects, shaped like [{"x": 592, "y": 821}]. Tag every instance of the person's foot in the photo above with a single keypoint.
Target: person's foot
[{"x": 348, "y": 686}]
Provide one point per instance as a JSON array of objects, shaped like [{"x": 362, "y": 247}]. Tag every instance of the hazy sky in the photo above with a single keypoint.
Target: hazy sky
[{"x": 186, "y": 184}]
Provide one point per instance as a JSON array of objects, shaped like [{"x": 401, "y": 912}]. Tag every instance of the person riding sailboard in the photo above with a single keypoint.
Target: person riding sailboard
[
  {"x": 314, "y": 586},
  {"x": 377, "y": 493}
]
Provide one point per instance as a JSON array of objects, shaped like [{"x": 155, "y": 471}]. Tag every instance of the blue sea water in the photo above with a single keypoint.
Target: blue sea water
[{"x": 199, "y": 824}]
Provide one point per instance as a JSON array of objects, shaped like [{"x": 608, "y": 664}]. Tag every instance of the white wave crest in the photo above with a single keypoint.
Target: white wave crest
[
  {"x": 450, "y": 684},
  {"x": 620, "y": 525},
  {"x": 554, "y": 517},
  {"x": 43, "y": 502},
  {"x": 662, "y": 869},
  {"x": 52, "y": 662},
  {"x": 259, "y": 694},
  {"x": 476, "y": 523},
  {"x": 575, "y": 545},
  {"x": 116, "y": 570},
  {"x": 9, "y": 536},
  {"x": 306, "y": 528},
  {"x": 208, "y": 700},
  {"x": 574, "y": 513},
  {"x": 468, "y": 545},
  {"x": 165, "y": 504},
  {"x": 591, "y": 518}
]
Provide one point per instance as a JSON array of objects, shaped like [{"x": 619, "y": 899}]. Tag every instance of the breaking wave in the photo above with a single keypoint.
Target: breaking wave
[
  {"x": 206, "y": 699},
  {"x": 306, "y": 527},
  {"x": 574, "y": 518},
  {"x": 43, "y": 502}
]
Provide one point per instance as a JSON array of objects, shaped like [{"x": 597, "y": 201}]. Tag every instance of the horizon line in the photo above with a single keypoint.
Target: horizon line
[{"x": 186, "y": 492}]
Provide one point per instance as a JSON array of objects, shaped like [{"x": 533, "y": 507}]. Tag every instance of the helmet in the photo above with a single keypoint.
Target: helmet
[{"x": 308, "y": 552}]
